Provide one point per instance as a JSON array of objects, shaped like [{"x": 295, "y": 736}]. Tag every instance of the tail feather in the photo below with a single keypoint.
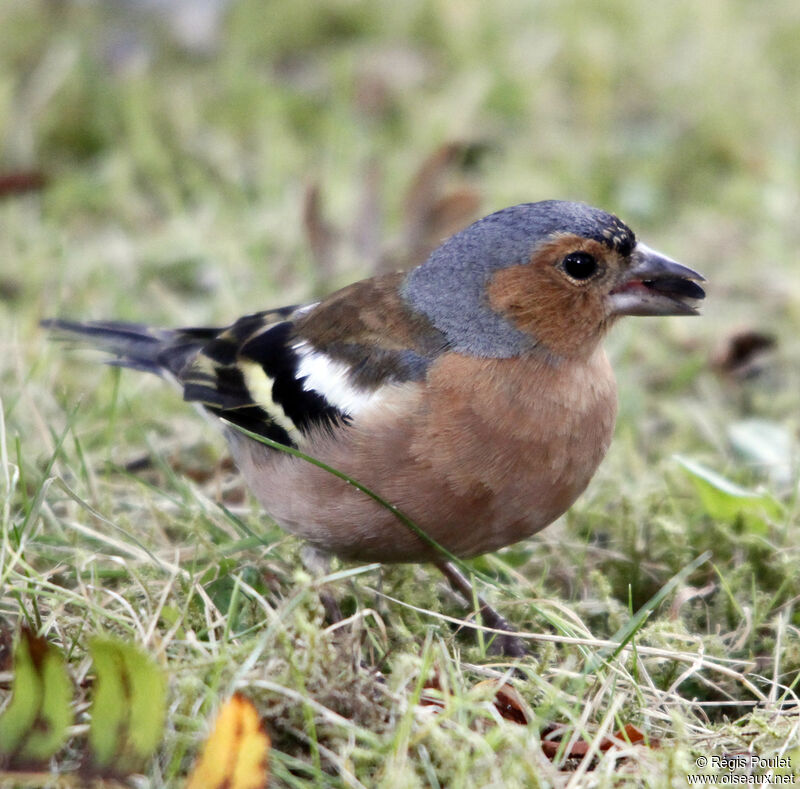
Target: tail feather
[
  {"x": 135, "y": 345},
  {"x": 247, "y": 373}
]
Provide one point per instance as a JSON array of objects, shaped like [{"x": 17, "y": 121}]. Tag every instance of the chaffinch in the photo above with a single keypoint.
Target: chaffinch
[{"x": 472, "y": 393}]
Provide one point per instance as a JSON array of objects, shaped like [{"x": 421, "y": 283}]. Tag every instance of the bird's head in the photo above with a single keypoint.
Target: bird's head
[{"x": 552, "y": 275}]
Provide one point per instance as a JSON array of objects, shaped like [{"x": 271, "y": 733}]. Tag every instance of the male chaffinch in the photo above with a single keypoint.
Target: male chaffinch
[{"x": 472, "y": 393}]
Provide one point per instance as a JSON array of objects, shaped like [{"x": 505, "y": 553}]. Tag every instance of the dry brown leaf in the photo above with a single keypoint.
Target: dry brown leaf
[
  {"x": 552, "y": 740},
  {"x": 508, "y": 701},
  {"x": 431, "y": 214},
  {"x": 431, "y": 695},
  {"x": 452, "y": 213},
  {"x": 434, "y": 209},
  {"x": 428, "y": 182},
  {"x": 10, "y": 289},
  {"x": 742, "y": 353},
  {"x": 322, "y": 236},
  {"x": 20, "y": 182},
  {"x": 367, "y": 230}
]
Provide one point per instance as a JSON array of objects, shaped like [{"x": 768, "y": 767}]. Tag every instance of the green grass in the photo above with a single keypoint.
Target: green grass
[{"x": 176, "y": 182}]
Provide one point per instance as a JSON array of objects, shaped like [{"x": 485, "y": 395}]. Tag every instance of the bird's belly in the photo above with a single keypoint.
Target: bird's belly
[{"x": 489, "y": 452}]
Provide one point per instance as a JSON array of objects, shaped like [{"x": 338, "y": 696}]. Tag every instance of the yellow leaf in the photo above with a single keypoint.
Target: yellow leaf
[{"x": 235, "y": 755}]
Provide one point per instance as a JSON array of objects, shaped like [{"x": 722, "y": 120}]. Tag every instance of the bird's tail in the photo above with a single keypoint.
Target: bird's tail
[{"x": 134, "y": 345}]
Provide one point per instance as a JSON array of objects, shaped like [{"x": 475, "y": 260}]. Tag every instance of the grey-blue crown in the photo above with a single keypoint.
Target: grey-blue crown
[{"x": 450, "y": 287}]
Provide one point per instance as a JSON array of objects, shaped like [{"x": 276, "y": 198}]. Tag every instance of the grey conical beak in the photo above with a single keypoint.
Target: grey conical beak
[{"x": 656, "y": 285}]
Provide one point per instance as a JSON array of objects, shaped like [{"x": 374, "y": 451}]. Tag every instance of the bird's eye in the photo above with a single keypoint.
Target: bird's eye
[{"x": 580, "y": 265}]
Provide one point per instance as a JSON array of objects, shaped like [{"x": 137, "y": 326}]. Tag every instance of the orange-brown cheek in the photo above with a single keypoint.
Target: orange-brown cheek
[{"x": 568, "y": 320}]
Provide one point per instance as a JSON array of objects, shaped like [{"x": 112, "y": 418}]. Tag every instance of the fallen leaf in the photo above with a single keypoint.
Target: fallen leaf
[
  {"x": 552, "y": 739},
  {"x": 508, "y": 701},
  {"x": 34, "y": 724},
  {"x": 431, "y": 213},
  {"x": 367, "y": 230},
  {"x": 128, "y": 707},
  {"x": 629, "y": 734},
  {"x": 427, "y": 184},
  {"x": 322, "y": 236},
  {"x": 10, "y": 289},
  {"x": 236, "y": 754},
  {"x": 431, "y": 695},
  {"x": 725, "y": 501},
  {"x": 21, "y": 182},
  {"x": 452, "y": 213},
  {"x": 742, "y": 353}
]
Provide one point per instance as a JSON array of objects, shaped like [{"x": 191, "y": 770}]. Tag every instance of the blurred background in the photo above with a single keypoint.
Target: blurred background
[{"x": 214, "y": 156}]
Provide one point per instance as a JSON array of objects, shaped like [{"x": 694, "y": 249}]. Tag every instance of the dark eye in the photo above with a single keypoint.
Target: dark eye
[{"x": 580, "y": 265}]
